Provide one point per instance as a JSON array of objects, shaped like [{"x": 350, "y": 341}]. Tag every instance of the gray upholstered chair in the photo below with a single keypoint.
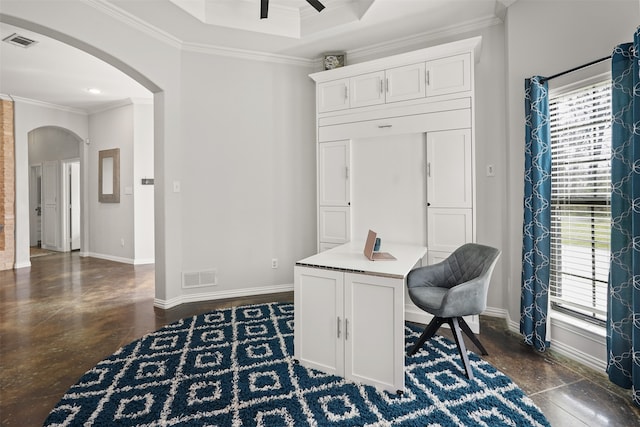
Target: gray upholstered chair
[{"x": 451, "y": 289}]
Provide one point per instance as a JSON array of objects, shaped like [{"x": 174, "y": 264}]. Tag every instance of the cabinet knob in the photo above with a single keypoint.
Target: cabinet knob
[{"x": 428, "y": 204}]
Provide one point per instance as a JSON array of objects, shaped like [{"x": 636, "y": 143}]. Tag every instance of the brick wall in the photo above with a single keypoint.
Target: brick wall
[{"x": 7, "y": 187}]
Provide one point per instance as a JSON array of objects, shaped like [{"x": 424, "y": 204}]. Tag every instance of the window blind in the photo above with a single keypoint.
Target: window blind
[{"x": 580, "y": 126}]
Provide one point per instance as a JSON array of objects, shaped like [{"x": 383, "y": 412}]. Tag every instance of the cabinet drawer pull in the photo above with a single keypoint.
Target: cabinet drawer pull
[{"x": 384, "y": 126}]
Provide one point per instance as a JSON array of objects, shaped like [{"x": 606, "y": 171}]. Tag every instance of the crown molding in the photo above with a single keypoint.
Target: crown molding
[
  {"x": 119, "y": 103},
  {"x": 44, "y": 104},
  {"x": 247, "y": 54},
  {"x": 355, "y": 54},
  {"x": 382, "y": 49},
  {"x": 133, "y": 21}
]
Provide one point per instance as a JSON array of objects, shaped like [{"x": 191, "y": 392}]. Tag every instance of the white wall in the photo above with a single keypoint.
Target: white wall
[
  {"x": 248, "y": 162},
  {"x": 52, "y": 143},
  {"x": 143, "y": 194},
  {"x": 29, "y": 116},
  {"x": 544, "y": 38},
  {"x": 111, "y": 233}
]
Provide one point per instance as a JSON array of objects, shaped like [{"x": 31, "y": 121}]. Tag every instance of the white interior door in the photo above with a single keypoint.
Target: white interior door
[
  {"x": 74, "y": 204},
  {"x": 50, "y": 211},
  {"x": 35, "y": 205}
]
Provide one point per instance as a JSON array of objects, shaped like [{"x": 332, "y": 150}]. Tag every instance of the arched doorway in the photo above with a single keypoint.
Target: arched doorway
[{"x": 54, "y": 188}]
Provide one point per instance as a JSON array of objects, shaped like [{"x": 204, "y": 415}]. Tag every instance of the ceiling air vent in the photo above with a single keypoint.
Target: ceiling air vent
[{"x": 18, "y": 40}]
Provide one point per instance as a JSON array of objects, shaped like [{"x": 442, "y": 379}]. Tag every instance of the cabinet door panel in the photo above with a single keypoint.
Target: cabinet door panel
[
  {"x": 374, "y": 346},
  {"x": 367, "y": 89},
  {"x": 333, "y": 95},
  {"x": 333, "y": 173},
  {"x": 335, "y": 224},
  {"x": 319, "y": 300},
  {"x": 448, "y": 229},
  {"x": 449, "y": 75},
  {"x": 405, "y": 83},
  {"x": 449, "y": 169}
]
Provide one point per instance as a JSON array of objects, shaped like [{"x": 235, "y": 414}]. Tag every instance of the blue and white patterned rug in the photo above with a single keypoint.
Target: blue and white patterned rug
[{"x": 235, "y": 367}]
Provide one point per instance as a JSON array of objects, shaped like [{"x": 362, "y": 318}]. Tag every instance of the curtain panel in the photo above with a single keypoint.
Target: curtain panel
[
  {"x": 623, "y": 311},
  {"x": 536, "y": 241}
]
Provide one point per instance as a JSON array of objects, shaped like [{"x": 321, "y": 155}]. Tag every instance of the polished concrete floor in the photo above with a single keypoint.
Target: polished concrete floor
[{"x": 66, "y": 313}]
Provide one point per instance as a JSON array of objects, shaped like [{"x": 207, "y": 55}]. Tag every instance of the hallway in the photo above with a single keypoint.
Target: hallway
[{"x": 66, "y": 313}]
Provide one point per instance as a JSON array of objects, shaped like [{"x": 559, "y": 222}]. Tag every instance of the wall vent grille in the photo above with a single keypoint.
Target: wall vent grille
[
  {"x": 199, "y": 279},
  {"x": 18, "y": 40}
]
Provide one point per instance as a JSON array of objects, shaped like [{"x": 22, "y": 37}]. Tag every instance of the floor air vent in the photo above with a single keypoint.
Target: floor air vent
[
  {"x": 197, "y": 279},
  {"x": 18, "y": 40}
]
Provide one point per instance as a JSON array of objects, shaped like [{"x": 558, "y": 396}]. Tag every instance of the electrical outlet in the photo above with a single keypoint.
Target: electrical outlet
[
  {"x": 122, "y": 242},
  {"x": 274, "y": 263}
]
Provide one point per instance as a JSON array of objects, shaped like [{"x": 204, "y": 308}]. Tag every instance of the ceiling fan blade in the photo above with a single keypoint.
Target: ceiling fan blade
[
  {"x": 316, "y": 4},
  {"x": 264, "y": 8}
]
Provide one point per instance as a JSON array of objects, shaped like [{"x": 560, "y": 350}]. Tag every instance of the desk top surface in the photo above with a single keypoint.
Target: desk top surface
[{"x": 350, "y": 257}]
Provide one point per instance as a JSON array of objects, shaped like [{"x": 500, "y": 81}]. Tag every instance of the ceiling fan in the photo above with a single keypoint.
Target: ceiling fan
[{"x": 264, "y": 7}]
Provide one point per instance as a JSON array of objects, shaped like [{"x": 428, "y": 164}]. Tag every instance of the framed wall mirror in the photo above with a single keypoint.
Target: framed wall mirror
[{"x": 109, "y": 176}]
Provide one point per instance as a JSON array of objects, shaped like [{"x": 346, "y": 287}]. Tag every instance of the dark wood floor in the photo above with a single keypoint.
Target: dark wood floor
[{"x": 66, "y": 313}]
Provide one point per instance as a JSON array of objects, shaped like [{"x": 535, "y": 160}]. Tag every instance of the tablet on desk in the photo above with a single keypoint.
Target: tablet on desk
[{"x": 375, "y": 256}]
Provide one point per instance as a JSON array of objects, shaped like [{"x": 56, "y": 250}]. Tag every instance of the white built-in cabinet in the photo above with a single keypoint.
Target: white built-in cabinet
[
  {"x": 334, "y": 193},
  {"x": 447, "y": 75},
  {"x": 337, "y": 334},
  {"x": 449, "y": 190},
  {"x": 428, "y": 92}
]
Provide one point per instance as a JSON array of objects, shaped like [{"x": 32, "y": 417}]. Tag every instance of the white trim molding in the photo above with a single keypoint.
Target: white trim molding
[
  {"x": 586, "y": 334},
  {"x": 211, "y": 296}
]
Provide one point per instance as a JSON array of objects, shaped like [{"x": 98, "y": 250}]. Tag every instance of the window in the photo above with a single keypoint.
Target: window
[{"x": 580, "y": 198}]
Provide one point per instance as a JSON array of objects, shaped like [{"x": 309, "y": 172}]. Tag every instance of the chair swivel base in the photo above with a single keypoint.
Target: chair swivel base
[{"x": 457, "y": 325}]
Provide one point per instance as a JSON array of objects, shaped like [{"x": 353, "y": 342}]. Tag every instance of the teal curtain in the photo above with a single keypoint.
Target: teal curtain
[
  {"x": 623, "y": 314},
  {"x": 536, "y": 241}
]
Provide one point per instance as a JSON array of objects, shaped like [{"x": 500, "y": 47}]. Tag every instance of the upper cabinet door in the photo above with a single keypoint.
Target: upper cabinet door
[
  {"x": 333, "y": 173},
  {"x": 405, "y": 83},
  {"x": 449, "y": 75},
  {"x": 449, "y": 169},
  {"x": 367, "y": 89},
  {"x": 333, "y": 95}
]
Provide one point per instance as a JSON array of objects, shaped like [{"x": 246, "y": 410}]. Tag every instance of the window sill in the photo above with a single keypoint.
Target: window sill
[{"x": 572, "y": 323}]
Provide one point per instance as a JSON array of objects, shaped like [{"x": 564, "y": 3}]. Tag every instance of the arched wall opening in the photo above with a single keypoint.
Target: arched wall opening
[
  {"x": 55, "y": 198},
  {"x": 158, "y": 137}
]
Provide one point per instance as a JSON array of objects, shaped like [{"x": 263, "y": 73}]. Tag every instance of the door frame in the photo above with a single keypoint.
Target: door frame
[{"x": 66, "y": 217}]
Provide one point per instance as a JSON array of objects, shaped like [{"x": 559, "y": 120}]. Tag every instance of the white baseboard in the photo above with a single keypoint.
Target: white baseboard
[
  {"x": 118, "y": 259},
  {"x": 211, "y": 296},
  {"x": 144, "y": 261},
  {"x": 22, "y": 265},
  {"x": 559, "y": 347}
]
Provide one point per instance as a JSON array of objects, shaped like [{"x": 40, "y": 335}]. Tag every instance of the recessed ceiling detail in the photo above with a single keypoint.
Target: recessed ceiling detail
[
  {"x": 18, "y": 40},
  {"x": 288, "y": 18}
]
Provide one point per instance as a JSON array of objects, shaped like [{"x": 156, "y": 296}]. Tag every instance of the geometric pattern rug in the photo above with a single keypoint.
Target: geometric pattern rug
[{"x": 235, "y": 367}]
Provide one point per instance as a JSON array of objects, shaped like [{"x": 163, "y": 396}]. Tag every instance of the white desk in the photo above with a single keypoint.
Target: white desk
[{"x": 349, "y": 313}]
